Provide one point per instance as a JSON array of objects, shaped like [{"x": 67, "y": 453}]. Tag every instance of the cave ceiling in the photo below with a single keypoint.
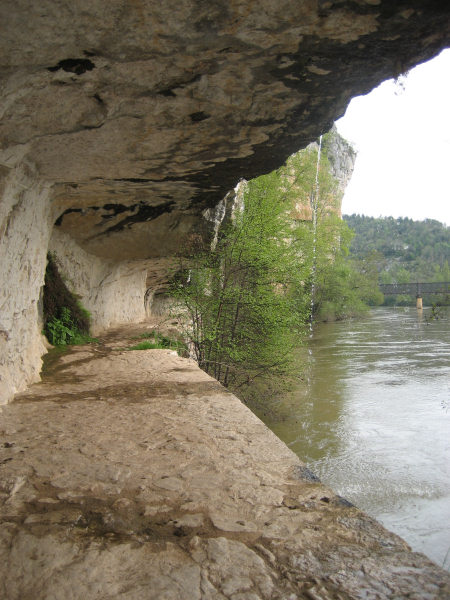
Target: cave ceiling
[{"x": 143, "y": 113}]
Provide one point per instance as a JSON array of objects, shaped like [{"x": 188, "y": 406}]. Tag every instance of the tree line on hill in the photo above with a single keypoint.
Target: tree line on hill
[{"x": 401, "y": 250}]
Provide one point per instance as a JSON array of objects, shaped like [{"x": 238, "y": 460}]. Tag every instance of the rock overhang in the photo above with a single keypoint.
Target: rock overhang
[{"x": 141, "y": 115}]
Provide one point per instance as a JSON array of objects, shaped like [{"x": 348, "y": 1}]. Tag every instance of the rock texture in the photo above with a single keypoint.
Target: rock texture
[
  {"x": 112, "y": 292},
  {"x": 172, "y": 489},
  {"x": 142, "y": 114},
  {"x": 338, "y": 167},
  {"x": 25, "y": 226},
  {"x": 133, "y": 118},
  {"x": 341, "y": 156}
]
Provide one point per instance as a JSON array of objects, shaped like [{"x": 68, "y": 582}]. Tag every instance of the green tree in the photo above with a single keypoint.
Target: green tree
[
  {"x": 344, "y": 288},
  {"x": 341, "y": 287},
  {"x": 245, "y": 300}
]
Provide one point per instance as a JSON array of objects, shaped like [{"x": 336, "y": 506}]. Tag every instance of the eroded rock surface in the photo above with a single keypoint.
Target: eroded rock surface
[
  {"x": 133, "y": 474},
  {"x": 142, "y": 114}
]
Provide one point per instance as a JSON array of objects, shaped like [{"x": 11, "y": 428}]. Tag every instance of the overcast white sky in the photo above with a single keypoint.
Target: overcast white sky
[{"x": 403, "y": 141}]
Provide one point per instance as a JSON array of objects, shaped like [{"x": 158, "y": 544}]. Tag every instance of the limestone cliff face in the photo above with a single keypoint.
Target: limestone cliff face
[
  {"x": 336, "y": 163},
  {"x": 122, "y": 122},
  {"x": 25, "y": 228},
  {"x": 341, "y": 156},
  {"x": 112, "y": 292}
]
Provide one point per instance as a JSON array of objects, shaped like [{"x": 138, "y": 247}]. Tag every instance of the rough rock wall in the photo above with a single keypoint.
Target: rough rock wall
[
  {"x": 25, "y": 226},
  {"x": 112, "y": 292},
  {"x": 341, "y": 156},
  {"x": 143, "y": 114}
]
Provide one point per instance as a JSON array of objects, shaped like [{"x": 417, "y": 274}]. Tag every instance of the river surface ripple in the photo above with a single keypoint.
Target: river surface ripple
[{"x": 373, "y": 421}]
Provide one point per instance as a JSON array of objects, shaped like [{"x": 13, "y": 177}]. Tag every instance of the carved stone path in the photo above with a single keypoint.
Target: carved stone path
[{"x": 134, "y": 475}]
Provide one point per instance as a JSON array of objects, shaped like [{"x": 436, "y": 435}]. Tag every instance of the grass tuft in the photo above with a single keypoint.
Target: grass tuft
[
  {"x": 146, "y": 346},
  {"x": 156, "y": 341}
]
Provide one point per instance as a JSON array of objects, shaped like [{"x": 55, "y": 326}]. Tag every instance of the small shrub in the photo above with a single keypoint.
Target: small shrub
[
  {"x": 145, "y": 336},
  {"x": 145, "y": 346},
  {"x": 62, "y": 331},
  {"x": 156, "y": 341},
  {"x": 66, "y": 321}
]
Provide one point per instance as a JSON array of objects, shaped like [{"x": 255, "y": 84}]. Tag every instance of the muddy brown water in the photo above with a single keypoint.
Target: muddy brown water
[{"x": 373, "y": 420}]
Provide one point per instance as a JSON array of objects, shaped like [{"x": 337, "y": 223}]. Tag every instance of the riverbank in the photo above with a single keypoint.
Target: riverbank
[
  {"x": 372, "y": 420},
  {"x": 133, "y": 474}
]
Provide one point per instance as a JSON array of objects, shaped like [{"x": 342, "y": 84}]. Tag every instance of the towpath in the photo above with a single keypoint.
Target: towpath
[{"x": 134, "y": 475}]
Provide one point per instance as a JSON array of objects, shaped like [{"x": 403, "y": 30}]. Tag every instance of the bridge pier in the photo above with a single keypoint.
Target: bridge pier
[{"x": 419, "y": 304}]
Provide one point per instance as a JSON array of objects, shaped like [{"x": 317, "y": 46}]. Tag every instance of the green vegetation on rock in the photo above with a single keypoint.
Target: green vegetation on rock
[
  {"x": 247, "y": 302},
  {"x": 244, "y": 300},
  {"x": 65, "y": 319},
  {"x": 343, "y": 287},
  {"x": 157, "y": 341}
]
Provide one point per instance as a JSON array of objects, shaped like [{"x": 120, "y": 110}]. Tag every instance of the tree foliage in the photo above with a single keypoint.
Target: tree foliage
[
  {"x": 244, "y": 301},
  {"x": 247, "y": 302},
  {"x": 344, "y": 287},
  {"x": 402, "y": 250}
]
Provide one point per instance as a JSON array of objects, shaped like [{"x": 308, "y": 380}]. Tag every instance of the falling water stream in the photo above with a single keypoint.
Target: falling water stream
[
  {"x": 373, "y": 420},
  {"x": 314, "y": 204}
]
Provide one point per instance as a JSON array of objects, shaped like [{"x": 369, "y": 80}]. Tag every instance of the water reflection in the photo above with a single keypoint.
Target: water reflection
[{"x": 370, "y": 421}]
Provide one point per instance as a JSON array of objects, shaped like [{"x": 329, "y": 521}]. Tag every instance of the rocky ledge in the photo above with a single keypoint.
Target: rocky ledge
[
  {"x": 142, "y": 114},
  {"x": 133, "y": 474}
]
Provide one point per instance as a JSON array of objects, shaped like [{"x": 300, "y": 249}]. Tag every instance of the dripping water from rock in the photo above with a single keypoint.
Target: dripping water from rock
[{"x": 314, "y": 201}]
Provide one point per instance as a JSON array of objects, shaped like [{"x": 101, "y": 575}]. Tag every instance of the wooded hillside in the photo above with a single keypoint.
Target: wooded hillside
[{"x": 401, "y": 250}]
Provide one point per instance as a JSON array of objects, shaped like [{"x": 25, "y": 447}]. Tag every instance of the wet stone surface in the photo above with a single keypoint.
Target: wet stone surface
[{"x": 133, "y": 474}]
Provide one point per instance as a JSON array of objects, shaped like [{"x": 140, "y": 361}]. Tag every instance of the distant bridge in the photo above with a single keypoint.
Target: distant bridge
[{"x": 419, "y": 289}]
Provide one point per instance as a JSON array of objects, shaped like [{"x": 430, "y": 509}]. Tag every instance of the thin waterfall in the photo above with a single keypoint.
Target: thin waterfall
[{"x": 314, "y": 204}]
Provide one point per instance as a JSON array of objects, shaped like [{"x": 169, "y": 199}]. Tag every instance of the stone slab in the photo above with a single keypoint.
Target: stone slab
[{"x": 133, "y": 474}]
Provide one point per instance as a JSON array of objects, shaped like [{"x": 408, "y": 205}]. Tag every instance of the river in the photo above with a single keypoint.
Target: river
[{"x": 373, "y": 420}]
